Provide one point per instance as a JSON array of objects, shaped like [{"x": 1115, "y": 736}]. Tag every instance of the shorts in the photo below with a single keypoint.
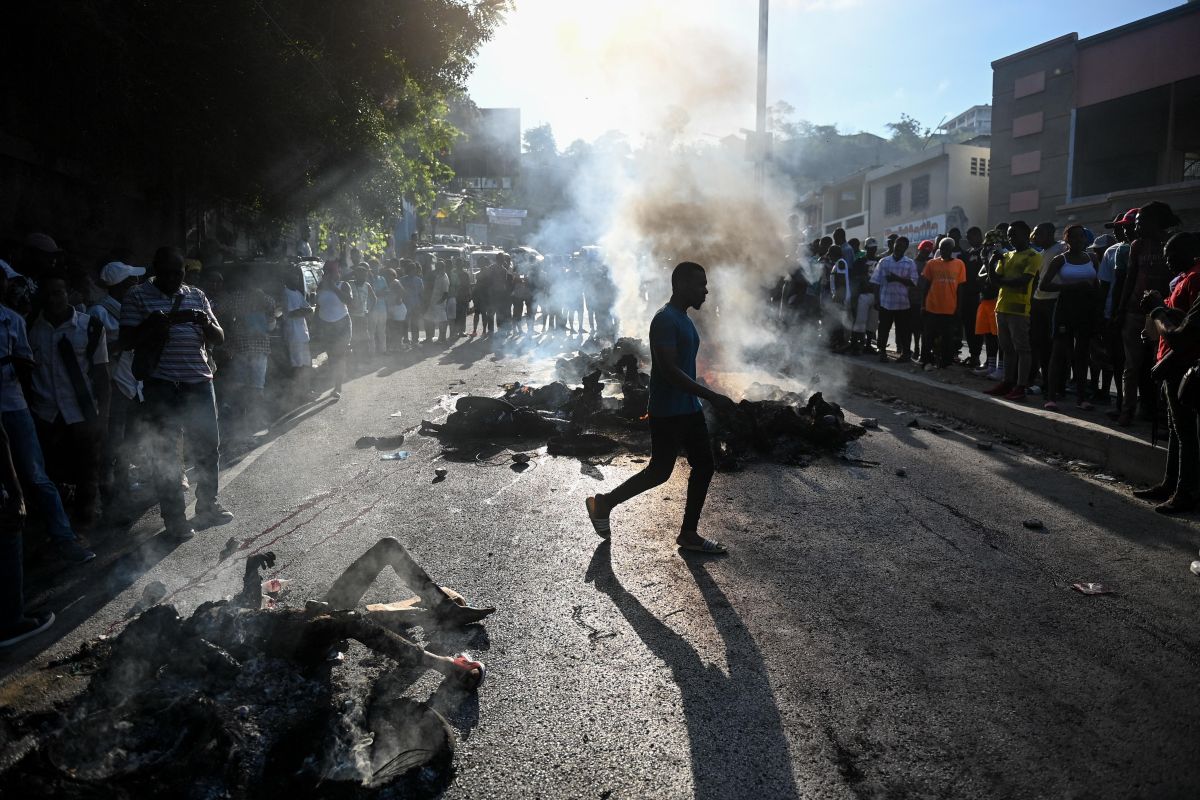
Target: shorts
[
  {"x": 985, "y": 318},
  {"x": 299, "y": 354},
  {"x": 249, "y": 369}
]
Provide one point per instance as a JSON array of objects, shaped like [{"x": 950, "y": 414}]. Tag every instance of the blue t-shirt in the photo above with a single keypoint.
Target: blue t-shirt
[{"x": 672, "y": 328}]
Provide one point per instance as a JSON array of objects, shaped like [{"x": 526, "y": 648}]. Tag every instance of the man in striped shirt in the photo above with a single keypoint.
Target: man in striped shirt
[{"x": 178, "y": 387}]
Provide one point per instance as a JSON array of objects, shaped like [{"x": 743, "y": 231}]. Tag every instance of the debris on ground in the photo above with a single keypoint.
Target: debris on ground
[
  {"x": 229, "y": 549},
  {"x": 607, "y": 412},
  {"x": 234, "y": 701},
  {"x": 380, "y": 442},
  {"x": 1093, "y": 588},
  {"x": 399, "y": 455},
  {"x": 153, "y": 592},
  {"x": 870, "y": 423},
  {"x": 913, "y": 423},
  {"x": 439, "y": 474},
  {"x": 901, "y": 472},
  {"x": 984, "y": 445},
  {"x": 1033, "y": 524},
  {"x": 520, "y": 458},
  {"x": 1195, "y": 568}
]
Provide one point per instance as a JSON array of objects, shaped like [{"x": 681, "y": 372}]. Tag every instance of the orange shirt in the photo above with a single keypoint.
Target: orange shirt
[{"x": 944, "y": 278}]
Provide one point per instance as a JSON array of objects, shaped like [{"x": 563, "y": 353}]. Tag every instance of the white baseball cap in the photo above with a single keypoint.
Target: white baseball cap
[{"x": 116, "y": 271}]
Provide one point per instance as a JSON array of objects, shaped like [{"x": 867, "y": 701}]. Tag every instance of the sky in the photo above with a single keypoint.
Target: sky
[{"x": 642, "y": 66}]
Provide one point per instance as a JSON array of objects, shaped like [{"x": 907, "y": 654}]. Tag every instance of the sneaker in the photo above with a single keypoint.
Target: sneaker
[
  {"x": 179, "y": 532},
  {"x": 1017, "y": 395},
  {"x": 71, "y": 550},
  {"x": 999, "y": 390},
  {"x": 25, "y": 628},
  {"x": 996, "y": 375},
  {"x": 930, "y": 367},
  {"x": 1034, "y": 389},
  {"x": 983, "y": 372},
  {"x": 212, "y": 515}
]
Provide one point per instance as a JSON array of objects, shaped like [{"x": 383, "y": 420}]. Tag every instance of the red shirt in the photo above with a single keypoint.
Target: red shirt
[{"x": 1181, "y": 299}]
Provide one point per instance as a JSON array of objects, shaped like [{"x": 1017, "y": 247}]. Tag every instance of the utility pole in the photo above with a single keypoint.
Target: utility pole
[{"x": 760, "y": 130}]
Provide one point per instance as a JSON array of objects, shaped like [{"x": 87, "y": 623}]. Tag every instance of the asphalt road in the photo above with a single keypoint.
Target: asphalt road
[{"x": 870, "y": 634}]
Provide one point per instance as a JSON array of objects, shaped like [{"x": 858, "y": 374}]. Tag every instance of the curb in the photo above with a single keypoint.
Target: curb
[{"x": 1113, "y": 451}]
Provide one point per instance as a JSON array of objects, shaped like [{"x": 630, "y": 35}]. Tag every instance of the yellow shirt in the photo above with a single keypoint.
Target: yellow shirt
[{"x": 1012, "y": 299}]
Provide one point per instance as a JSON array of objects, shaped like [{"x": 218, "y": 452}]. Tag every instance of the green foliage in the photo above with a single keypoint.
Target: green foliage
[{"x": 278, "y": 107}]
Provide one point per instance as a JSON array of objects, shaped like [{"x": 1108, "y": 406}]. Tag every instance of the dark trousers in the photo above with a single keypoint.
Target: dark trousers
[
  {"x": 115, "y": 458},
  {"x": 901, "y": 319},
  {"x": 188, "y": 410},
  {"x": 1183, "y": 446},
  {"x": 1041, "y": 338},
  {"x": 12, "y": 572},
  {"x": 73, "y": 459},
  {"x": 938, "y": 338},
  {"x": 667, "y": 436},
  {"x": 968, "y": 307}
]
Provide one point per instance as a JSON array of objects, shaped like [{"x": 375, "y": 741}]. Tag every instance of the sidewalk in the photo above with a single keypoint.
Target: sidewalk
[{"x": 1086, "y": 435}]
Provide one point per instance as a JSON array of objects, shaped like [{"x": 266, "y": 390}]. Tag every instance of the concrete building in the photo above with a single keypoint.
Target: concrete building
[
  {"x": 927, "y": 193},
  {"x": 1084, "y": 128},
  {"x": 975, "y": 121}
]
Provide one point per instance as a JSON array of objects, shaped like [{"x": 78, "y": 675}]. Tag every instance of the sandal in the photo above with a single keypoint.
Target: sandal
[
  {"x": 600, "y": 524},
  {"x": 466, "y": 663},
  {"x": 707, "y": 546},
  {"x": 1084, "y": 405},
  {"x": 1050, "y": 405}
]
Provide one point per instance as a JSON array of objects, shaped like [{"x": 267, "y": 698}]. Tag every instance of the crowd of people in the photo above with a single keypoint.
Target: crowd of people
[{"x": 1106, "y": 319}]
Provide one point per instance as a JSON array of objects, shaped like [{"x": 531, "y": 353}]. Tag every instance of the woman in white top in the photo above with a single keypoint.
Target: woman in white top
[
  {"x": 1076, "y": 311},
  {"x": 333, "y": 298}
]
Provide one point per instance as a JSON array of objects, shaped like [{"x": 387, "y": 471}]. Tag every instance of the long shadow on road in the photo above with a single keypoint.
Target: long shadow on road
[{"x": 735, "y": 734}]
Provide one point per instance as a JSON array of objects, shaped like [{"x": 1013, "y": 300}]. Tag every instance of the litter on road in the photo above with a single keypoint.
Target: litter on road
[{"x": 1093, "y": 588}]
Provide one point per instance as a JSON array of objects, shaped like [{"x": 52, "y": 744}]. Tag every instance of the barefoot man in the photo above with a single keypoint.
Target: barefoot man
[{"x": 675, "y": 417}]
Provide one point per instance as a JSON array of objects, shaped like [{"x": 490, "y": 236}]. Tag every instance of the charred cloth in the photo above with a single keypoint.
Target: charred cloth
[{"x": 781, "y": 430}]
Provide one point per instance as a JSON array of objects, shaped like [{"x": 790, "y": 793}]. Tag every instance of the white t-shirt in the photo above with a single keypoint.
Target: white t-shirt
[
  {"x": 330, "y": 307},
  {"x": 295, "y": 329}
]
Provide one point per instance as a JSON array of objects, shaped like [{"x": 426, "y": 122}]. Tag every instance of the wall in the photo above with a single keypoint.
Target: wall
[
  {"x": 967, "y": 191},
  {"x": 1040, "y": 80},
  {"x": 1129, "y": 62},
  {"x": 880, "y": 179}
]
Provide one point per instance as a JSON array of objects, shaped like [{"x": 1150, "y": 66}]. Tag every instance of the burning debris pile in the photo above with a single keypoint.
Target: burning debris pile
[
  {"x": 607, "y": 410},
  {"x": 235, "y": 701}
]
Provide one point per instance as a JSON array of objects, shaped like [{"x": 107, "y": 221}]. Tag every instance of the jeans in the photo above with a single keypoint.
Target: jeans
[
  {"x": 31, "y": 467},
  {"x": 189, "y": 409},
  {"x": 1183, "y": 446},
  {"x": 1014, "y": 344},
  {"x": 667, "y": 436},
  {"x": 1137, "y": 355}
]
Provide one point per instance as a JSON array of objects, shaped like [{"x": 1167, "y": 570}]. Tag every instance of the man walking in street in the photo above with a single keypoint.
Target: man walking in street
[
  {"x": 171, "y": 322},
  {"x": 676, "y": 420}
]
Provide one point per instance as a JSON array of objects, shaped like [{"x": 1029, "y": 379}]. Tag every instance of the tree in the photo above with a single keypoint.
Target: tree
[
  {"x": 276, "y": 106},
  {"x": 539, "y": 142},
  {"x": 907, "y": 133}
]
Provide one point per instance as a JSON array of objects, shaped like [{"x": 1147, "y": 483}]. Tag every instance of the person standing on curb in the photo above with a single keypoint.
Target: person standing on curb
[
  {"x": 1147, "y": 271},
  {"x": 894, "y": 275},
  {"x": 171, "y": 323},
  {"x": 1178, "y": 350},
  {"x": 676, "y": 420},
  {"x": 1015, "y": 275},
  {"x": 940, "y": 281}
]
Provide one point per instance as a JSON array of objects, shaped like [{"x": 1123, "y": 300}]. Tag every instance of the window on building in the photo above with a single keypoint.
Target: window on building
[
  {"x": 831, "y": 227},
  {"x": 1191, "y": 166},
  {"x": 855, "y": 222},
  {"x": 981, "y": 167},
  {"x": 974, "y": 166},
  {"x": 919, "y": 193},
  {"x": 891, "y": 200}
]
